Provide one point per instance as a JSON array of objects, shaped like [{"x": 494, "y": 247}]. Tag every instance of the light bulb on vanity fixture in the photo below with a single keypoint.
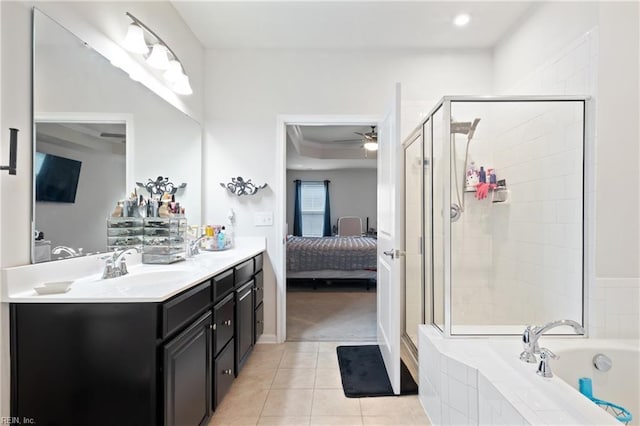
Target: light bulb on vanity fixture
[
  {"x": 161, "y": 56},
  {"x": 134, "y": 41}
]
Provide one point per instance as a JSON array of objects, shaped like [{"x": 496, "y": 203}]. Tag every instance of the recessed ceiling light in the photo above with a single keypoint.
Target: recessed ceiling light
[{"x": 462, "y": 20}]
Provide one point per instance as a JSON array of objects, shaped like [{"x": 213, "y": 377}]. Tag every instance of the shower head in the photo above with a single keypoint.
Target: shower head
[
  {"x": 473, "y": 128},
  {"x": 465, "y": 127}
]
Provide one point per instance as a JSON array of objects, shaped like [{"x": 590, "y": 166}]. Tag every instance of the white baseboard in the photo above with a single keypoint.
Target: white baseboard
[{"x": 268, "y": 339}]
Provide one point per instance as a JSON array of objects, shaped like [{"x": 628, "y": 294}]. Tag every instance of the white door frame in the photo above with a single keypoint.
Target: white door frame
[{"x": 279, "y": 265}]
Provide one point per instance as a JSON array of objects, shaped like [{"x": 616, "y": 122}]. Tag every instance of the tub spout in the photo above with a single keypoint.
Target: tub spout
[{"x": 531, "y": 335}]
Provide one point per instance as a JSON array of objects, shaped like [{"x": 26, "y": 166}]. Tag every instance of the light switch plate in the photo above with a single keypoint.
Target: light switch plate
[{"x": 263, "y": 219}]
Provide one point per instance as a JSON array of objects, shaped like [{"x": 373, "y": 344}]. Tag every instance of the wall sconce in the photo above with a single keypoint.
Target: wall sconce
[
  {"x": 161, "y": 57},
  {"x": 161, "y": 185},
  {"x": 13, "y": 151},
  {"x": 239, "y": 186}
]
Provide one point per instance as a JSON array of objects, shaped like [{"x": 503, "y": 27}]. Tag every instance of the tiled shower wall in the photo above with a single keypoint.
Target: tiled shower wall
[
  {"x": 537, "y": 236},
  {"x": 521, "y": 262},
  {"x": 612, "y": 303}
]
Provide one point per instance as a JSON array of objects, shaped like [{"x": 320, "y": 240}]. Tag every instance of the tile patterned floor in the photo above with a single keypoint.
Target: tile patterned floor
[{"x": 298, "y": 383}]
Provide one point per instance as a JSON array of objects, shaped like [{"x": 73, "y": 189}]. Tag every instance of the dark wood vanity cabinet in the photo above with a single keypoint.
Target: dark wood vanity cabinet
[
  {"x": 257, "y": 300},
  {"x": 166, "y": 363},
  {"x": 224, "y": 373},
  {"x": 223, "y": 347},
  {"x": 244, "y": 324},
  {"x": 187, "y": 364},
  {"x": 85, "y": 363}
]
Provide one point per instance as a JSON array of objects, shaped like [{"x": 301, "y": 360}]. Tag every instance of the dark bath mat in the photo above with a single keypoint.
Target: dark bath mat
[{"x": 363, "y": 373}]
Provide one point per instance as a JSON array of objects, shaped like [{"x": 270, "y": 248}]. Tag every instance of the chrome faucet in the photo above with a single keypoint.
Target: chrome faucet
[
  {"x": 544, "y": 367},
  {"x": 532, "y": 334},
  {"x": 71, "y": 252},
  {"x": 115, "y": 265},
  {"x": 192, "y": 247}
]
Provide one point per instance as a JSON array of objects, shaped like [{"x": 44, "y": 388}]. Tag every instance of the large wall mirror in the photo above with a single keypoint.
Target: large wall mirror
[{"x": 97, "y": 133}]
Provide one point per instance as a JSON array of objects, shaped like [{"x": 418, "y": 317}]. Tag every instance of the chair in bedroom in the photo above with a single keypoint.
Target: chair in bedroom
[{"x": 349, "y": 226}]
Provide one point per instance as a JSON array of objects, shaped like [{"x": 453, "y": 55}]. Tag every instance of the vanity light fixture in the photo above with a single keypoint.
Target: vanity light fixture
[
  {"x": 161, "y": 56},
  {"x": 462, "y": 20}
]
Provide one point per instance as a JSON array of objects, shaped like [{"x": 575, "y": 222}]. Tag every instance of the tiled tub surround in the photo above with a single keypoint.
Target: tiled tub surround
[
  {"x": 88, "y": 287},
  {"x": 482, "y": 381}
]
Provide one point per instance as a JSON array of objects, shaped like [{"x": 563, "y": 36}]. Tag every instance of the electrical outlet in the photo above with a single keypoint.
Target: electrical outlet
[{"x": 263, "y": 219}]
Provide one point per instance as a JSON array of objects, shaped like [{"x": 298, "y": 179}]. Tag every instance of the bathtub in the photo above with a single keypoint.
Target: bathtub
[
  {"x": 620, "y": 385},
  {"x": 483, "y": 381}
]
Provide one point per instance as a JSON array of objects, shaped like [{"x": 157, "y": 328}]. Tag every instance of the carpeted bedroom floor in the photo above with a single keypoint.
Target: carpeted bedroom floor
[{"x": 323, "y": 315}]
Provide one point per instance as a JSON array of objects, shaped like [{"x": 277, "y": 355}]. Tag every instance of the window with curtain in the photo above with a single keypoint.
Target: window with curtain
[{"x": 312, "y": 208}]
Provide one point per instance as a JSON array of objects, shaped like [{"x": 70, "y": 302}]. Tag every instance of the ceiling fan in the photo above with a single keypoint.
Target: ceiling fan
[
  {"x": 370, "y": 136},
  {"x": 369, "y": 139}
]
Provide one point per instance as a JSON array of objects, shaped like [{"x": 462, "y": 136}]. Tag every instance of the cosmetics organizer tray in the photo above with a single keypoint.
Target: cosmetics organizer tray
[
  {"x": 163, "y": 239},
  {"x": 124, "y": 232}
]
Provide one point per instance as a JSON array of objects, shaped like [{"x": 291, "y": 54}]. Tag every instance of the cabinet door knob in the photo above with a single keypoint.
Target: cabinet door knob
[
  {"x": 227, "y": 323},
  {"x": 259, "y": 322},
  {"x": 227, "y": 372},
  {"x": 213, "y": 326}
]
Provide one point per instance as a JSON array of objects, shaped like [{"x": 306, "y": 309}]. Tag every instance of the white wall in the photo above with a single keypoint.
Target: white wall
[
  {"x": 102, "y": 24},
  {"x": 592, "y": 48},
  {"x": 352, "y": 192},
  {"x": 247, "y": 89}
]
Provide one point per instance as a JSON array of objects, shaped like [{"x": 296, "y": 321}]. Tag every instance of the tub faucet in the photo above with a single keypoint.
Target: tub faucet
[
  {"x": 115, "y": 264},
  {"x": 532, "y": 334}
]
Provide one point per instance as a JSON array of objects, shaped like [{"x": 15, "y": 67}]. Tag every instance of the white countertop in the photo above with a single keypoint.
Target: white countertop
[{"x": 144, "y": 283}]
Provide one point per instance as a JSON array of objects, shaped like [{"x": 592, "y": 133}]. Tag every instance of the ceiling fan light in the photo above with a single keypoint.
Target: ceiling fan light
[
  {"x": 159, "y": 57},
  {"x": 134, "y": 40},
  {"x": 371, "y": 146},
  {"x": 462, "y": 20}
]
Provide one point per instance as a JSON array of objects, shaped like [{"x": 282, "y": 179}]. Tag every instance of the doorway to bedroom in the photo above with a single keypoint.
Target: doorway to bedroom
[{"x": 331, "y": 212}]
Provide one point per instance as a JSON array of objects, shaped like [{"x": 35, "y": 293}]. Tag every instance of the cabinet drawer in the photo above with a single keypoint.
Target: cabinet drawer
[
  {"x": 259, "y": 288},
  {"x": 258, "y": 262},
  {"x": 223, "y": 374},
  {"x": 244, "y": 272},
  {"x": 222, "y": 284},
  {"x": 223, "y": 323},
  {"x": 178, "y": 311},
  {"x": 259, "y": 328}
]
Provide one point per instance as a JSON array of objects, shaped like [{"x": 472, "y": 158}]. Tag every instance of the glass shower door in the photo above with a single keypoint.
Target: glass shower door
[{"x": 413, "y": 297}]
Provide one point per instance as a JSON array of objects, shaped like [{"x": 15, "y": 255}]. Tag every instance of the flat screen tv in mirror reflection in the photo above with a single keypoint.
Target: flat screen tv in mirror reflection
[{"x": 56, "y": 178}]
